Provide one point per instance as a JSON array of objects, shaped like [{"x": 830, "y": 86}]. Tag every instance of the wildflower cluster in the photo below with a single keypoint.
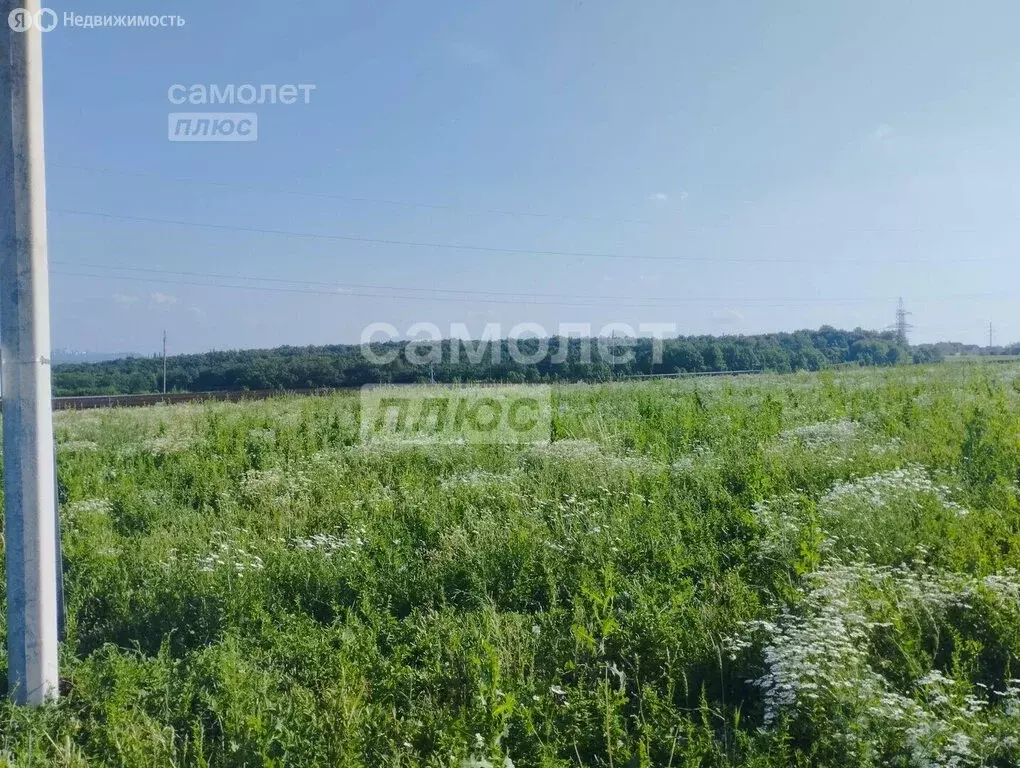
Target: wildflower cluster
[
  {"x": 77, "y": 446},
  {"x": 330, "y": 544},
  {"x": 577, "y": 524},
  {"x": 900, "y": 487},
  {"x": 781, "y": 519},
  {"x": 819, "y": 666},
  {"x": 228, "y": 555},
  {"x": 165, "y": 444},
  {"x": 700, "y": 457},
  {"x": 275, "y": 483},
  {"x": 836, "y": 432},
  {"x": 88, "y": 506},
  {"x": 592, "y": 457},
  {"x": 478, "y": 478}
]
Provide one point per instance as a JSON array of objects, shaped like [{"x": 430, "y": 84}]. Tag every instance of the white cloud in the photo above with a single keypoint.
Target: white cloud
[
  {"x": 726, "y": 317},
  {"x": 881, "y": 133},
  {"x": 197, "y": 312},
  {"x": 123, "y": 298},
  {"x": 662, "y": 197},
  {"x": 164, "y": 298}
]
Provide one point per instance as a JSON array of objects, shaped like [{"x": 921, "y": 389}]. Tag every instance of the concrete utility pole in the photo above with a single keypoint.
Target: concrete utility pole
[{"x": 28, "y": 461}]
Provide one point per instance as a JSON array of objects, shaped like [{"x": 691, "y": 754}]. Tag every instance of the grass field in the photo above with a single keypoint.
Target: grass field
[{"x": 799, "y": 570}]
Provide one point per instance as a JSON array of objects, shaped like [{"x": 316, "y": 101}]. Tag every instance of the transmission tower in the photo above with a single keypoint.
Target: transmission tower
[{"x": 901, "y": 326}]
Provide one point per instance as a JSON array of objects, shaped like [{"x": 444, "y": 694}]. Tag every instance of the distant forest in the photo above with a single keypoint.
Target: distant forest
[{"x": 458, "y": 360}]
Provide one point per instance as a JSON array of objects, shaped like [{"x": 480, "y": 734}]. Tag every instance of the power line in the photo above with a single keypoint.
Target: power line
[
  {"x": 356, "y": 238},
  {"x": 526, "y": 295},
  {"x": 371, "y": 286},
  {"x": 489, "y": 211},
  {"x": 485, "y": 248},
  {"x": 340, "y": 291},
  {"x": 350, "y": 198}
]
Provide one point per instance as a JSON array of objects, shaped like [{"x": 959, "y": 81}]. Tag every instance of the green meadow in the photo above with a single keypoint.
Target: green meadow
[{"x": 808, "y": 569}]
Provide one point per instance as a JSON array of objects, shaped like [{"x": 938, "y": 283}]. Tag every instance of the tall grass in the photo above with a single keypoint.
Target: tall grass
[{"x": 795, "y": 570}]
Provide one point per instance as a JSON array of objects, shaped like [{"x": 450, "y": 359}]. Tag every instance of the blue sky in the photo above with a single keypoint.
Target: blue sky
[{"x": 739, "y": 167}]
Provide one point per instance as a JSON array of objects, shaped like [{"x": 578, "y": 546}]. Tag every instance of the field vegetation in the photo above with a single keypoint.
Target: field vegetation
[{"x": 809, "y": 569}]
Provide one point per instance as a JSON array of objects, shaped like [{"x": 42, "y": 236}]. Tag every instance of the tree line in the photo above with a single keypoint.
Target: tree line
[{"x": 527, "y": 360}]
